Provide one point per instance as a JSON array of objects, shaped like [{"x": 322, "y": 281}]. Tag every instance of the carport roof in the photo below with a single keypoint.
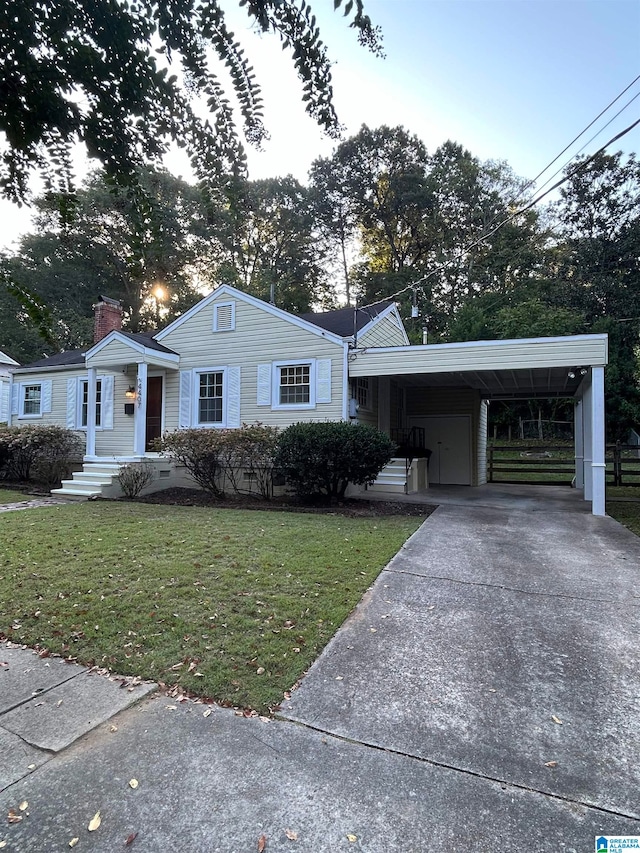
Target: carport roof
[{"x": 531, "y": 367}]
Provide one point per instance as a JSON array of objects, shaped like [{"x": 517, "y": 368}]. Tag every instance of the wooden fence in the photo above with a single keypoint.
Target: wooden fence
[{"x": 551, "y": 464}]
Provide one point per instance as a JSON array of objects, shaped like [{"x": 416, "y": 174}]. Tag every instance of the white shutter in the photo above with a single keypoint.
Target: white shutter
[
  {"x": 72, "y": 390},
  {"x": 4, "y": 402},
  {"x": 15, "y": 398},
  {"x": 233, "y": 397},
  {"x": 46, "y": 393},
  {"x": 323, "y": 380},
  {"x": 106, "y": 401},
  {"x": 184, "y": 418},
  {"x": 264, "y": 385}
]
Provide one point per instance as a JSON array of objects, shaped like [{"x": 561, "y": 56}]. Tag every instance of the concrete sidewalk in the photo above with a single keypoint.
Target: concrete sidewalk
[{"x": 483, "y": 695}]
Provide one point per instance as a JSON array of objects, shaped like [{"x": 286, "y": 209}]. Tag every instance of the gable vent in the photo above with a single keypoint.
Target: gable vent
[{"x": 224, "y": 318}]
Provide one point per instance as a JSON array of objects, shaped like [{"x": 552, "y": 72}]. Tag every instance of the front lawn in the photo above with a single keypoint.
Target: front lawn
[
  {"x": 11, "y": 496},
  {"x": 230, "y": 604}
]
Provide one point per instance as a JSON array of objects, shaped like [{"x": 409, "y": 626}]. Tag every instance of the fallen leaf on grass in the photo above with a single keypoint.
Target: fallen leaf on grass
[
  {"x": 13, "y": 816},
  {"x": 130, "y": 839},
  {"x": 95, "y": 822},
  {"x": 262, "y": 843},
  {"x": 73, "y": 842},
  {"x": 133, "y": 783},
  {"x": 291, "y": 834},
  {"x": 556, "y": 720},
  {"x": 551, "y": 764}
]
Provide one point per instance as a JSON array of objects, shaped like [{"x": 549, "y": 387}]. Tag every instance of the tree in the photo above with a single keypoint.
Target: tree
[
  {"x": 263, "y": 242},
  {"x": 98, "y": 73},
  {"x": 106, "y": 249}
]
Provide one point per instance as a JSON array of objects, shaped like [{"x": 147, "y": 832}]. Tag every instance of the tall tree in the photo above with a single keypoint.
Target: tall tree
[{"x": 264, "y": 243}]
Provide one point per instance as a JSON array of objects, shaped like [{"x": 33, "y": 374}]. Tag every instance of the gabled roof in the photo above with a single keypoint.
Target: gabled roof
[
  {"x": 6, "y": 359},
  {"x": 225, "y": 290},
  {"x": 341, "y": 321}
]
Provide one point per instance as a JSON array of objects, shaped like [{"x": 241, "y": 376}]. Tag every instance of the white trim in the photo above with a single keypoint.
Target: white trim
[
  {"x": 275, "y": 384},
  {"x": 345, "y": 382},
  {"x": 598, "y": 465},
  {"x": 6, "y": 359},
  {"x": 79, "y": 382},
  {"x": 600, "y": 338},
  {"x": 22, "y": 386},
  {"x": 140, "y": 414},
  {"x": 91, "y": 411},
  {"x": 231, "y": 293},
  {"x": 136, "y": 346}
]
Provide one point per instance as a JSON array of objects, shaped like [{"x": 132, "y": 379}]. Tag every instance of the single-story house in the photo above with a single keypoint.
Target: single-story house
[{"x": 235, "y": 359}]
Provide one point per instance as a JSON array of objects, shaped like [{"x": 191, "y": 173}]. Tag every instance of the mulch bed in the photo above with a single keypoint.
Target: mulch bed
[{"x": 352, "y": 508}]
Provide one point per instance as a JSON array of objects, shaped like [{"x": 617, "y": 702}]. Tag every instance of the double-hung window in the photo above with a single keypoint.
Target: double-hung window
[
  {"x": 210, "y": 399},
  {"x": 363, "y": 393},
  {"x": 294, "y": 385},
  {"x": 31, "y": 400}
]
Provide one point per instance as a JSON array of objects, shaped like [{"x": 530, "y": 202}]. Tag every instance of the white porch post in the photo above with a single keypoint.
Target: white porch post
[
  {"x": 92, "y": 385},
  {"x": 140, "y": 420},
  {"x": 598, "y": 465},
  {"x": 578, "y": 431},
  {"x": 587, "y": 415}
]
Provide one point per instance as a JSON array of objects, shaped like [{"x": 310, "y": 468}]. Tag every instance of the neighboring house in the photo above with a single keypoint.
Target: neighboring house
[
  {"x": 6, "y": 363},
  {"x": 235, "y": 359}
]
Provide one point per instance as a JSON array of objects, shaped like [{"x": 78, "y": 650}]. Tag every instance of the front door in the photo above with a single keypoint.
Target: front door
[
  {"x": 154, "y": 411},
  {"x": 448, "y": 437}
]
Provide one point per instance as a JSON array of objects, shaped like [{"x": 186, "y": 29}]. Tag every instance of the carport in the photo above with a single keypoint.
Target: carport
[{"x": 446, "y": 388}]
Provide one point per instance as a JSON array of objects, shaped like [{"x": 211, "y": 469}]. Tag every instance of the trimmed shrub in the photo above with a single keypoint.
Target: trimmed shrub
[
  {"x": 321, "y": 459},
  {"x": 133, "y": 478},
  {"x": 42, "y": 453},
  {"x": 217, "y": 458}
]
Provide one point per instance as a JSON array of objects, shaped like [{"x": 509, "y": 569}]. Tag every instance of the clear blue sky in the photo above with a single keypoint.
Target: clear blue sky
[{"x": 509, "y": 79}]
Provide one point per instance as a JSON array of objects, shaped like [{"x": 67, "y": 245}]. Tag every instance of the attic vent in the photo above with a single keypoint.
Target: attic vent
[{"x": 224, "y": 317}]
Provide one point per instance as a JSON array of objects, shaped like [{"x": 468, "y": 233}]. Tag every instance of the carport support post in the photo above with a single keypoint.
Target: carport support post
[
  {"x": 587, "y": 422},
  {"x": 140, "y": 424},
  {"x": 579, "y": 442},
  {"x": 598, "y": 464}
]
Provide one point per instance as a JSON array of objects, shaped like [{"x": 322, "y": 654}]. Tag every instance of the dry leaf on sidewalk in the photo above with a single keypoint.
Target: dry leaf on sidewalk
[
  {"x": 262, "y": 843},
  {"x": 73, "y": 842},
  {"x": 556, "y": 720},
  {"x": 13, "y": 816},
  {"x": 291, "y": 834},
  {"x": 130, "y": 839},
  {"x": 95, "y": 822},
  {"x": 133, "y": 783}
]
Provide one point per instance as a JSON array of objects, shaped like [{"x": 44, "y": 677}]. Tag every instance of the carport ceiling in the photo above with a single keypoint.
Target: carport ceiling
[{"x": 502, "y": 384}]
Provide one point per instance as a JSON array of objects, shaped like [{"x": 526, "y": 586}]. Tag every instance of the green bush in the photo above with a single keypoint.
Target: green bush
[
  {"x": 42, "y": 453},
  {"x": 217, "y": 458},
  {"x": 321, "y": 459}
]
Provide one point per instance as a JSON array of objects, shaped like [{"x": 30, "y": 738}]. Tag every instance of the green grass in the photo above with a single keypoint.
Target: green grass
[
  {"x": 233, "y": 605},
  {"x": 626, "y": 513},
  {"x": 10, "y": 496}
]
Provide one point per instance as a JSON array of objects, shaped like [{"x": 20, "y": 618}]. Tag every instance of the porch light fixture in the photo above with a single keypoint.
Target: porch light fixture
[
  {"x": 130, "y": 393},
  {"x": 571, "y": 374}
]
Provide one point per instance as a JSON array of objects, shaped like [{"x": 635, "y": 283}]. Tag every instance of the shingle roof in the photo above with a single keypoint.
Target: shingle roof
[
  {"x": 341, "y": 321},
  {"x": 75, "y": 357}
]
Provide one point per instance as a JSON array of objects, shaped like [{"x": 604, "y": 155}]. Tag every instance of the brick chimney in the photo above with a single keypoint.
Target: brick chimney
[{"x": 107, "y": 317}]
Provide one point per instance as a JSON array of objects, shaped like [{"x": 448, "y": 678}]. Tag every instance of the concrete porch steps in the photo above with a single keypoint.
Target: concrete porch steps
[
  {"x": 90, "y": 482},
  {"x": 392, "y": 478}
]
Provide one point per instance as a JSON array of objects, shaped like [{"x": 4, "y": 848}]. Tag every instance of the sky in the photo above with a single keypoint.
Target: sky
[{"x": 512, "y": 80}]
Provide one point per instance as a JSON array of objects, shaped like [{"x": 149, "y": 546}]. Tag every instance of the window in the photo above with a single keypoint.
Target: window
[
  {"x": 210, "y": 398},
  {"x": 362, "y": 392},
  {"x": 31, "y": 400},
  {"x": 84, "y": 395},
  {"x": 295, "y": 385}
]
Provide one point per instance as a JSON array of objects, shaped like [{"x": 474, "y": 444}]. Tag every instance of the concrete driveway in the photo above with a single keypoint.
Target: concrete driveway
[
  {"x": 483, "y": 696},
  {"x": 504, "y": 645}
]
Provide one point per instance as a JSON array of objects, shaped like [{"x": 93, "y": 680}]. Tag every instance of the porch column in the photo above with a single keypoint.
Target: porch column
[
  {"x": 587, "y": 415},
  {"x": 92, "y": 385},
  {"x": 140, "y": 420},
  {"x": 598, "y": 465},
  {"x": 578, "y": 433}
]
